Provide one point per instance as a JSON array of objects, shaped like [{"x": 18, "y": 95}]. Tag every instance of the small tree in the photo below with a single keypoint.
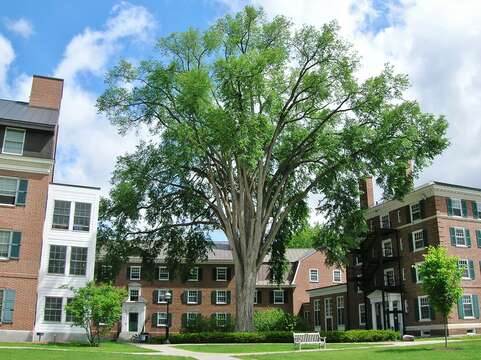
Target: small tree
[
  {"x": 441, "y": 282},
  {"x": 96, "y": 309}
]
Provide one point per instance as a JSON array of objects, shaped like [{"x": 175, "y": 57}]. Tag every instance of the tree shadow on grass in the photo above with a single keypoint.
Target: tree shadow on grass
[{"x": 415, "y": 349}]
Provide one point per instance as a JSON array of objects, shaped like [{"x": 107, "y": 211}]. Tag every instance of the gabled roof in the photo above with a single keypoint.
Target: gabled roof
[{"x": 16, "y": 112}]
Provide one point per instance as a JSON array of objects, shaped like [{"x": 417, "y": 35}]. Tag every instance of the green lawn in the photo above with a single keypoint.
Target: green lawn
[
  {"x": 459, "y": 350},
  {"x": 108, "y": 346},
  {"x": 252, "y": 348}
]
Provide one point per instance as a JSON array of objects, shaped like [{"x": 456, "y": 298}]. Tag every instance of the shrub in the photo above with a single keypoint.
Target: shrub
[
  {"x": 278, "y": 320},
  {"x": 207, "y": 324},
  {"x": 277, "y": 337}
]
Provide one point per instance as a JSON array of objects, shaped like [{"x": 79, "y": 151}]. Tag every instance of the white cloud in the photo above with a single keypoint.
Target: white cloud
[
  {"x": 6, "y": 57},
  {"x": 21, "y": 26},
  {"x": 88, "y": 144}
]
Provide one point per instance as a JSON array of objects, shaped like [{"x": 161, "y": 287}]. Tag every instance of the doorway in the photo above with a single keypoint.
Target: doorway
[{"x": 133, "y": 322}]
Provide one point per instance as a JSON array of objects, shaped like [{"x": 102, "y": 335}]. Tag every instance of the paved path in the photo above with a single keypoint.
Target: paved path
[{"x": 173, "y": 350}]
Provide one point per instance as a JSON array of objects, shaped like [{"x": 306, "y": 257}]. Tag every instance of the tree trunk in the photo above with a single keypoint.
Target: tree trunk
[
  {"x": 245, "y": 275},
  {"x": 445, "y": 331}
]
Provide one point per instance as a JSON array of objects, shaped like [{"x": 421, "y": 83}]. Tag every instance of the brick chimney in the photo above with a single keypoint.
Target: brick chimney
[
  {"x": 410, "y": 168},
  {"x": 367, "y": 192},
  {"x": 46, "y": 92}
]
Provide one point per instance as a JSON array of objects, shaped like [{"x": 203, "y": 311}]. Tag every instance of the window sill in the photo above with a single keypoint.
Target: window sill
[
  {"x": 221, "y": 280},
  {"x": 192, "y": 303},
  {"x": 7, "y": 205},
  {"x": 164, "y": 279},
  {"x": 314, "y": 281},
  {"x": 279, "y": 303},
  {"x": 468, "y": 318},
  {"x": 425, "y": 320},
  {"x": 419, "y": 249},
  {"x": 221, "y": 303},
  {"x": 134, "y": 279}
]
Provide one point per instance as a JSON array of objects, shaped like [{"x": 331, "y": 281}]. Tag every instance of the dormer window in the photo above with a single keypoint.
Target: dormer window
[
  {"x": 384, "y": 220},
  {"x": 13, "y": 141}
]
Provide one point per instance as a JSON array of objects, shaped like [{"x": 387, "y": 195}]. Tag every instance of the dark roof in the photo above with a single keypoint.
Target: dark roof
[
  {"x": 15, "y": 112},
  {"x": 457, "y": 186},
  {"x": 77, "y": 186}
]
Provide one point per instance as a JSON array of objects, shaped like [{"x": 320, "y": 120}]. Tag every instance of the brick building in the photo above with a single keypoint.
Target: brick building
[
  {"x": 210, "y": 290},
  {"x": 384, "y": 289},
  {"x": 28, "y": 138}
]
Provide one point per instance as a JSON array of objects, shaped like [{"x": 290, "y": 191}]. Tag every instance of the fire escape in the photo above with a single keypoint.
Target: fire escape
[{"x": 370, "y": 275}]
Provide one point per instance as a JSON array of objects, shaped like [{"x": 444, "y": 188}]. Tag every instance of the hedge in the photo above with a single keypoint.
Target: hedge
[{"x": 277, "y": 337}]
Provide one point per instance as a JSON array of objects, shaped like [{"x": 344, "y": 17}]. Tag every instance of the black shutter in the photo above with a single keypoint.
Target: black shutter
[
  {"x": 158, "y": 273},
  {"x": 407, "y": 213},
  {"x": 200, "y": 273},
  {"x": 416, "y": 309},
  {"x": 184, "y": 320},
  {"x": 422, "y": 208},
  {"x": 15, "y": 245},
  {"x": 410, "y": 241},
  {"x": 154, "y": 320},
  {"x": 413, "y": 274},
  {"x": 425, "y": 237},
  {"x": 183, "y": 297},
  {"x": 228, "y": 297},
  {"x": 21, "y": 198},
  {"x": 213, "y": 297},
  {"x": 155, "y": 297},
  {"x": 169, "y": 319},
  {"x": 259, "y": 296},
  {"x": 171, "y": 296},
  {"x": 229, "y": 274},
  {"x": 271, "y": 297},
  {"x": 128, "y": 272},
  {"x": 214, "y": 273},
  {"x": 286, "y": 297},
  {"x": 199, "y": 297}
]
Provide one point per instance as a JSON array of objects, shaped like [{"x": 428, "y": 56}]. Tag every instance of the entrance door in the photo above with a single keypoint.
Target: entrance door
[
  {"x": 378, "y": 309},
  {"x": 133, "y": 322},
  {"x": 395, "y": 312}
]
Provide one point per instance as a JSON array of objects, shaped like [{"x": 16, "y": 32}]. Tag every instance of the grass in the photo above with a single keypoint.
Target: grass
[
  {"x": 459, "y": 350},
  {"x": 107, "y": 346},
  {"x": 252, "y": 348}
]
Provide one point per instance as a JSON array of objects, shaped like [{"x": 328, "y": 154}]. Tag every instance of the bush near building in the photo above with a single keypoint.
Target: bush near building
[{"x": 277, "y": 337}]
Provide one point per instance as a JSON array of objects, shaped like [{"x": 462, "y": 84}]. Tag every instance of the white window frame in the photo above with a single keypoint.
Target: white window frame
[
  {"x": 255, "y": 296},
  {"x": 317, "y": 312},
  {"x": 5, "y": 137},
  {"x": 164, "y": 272},
  {"x": 218, "y": 320},
  {"x": 224, "y": 269},
  {"x": 189, "y": 292},
  {"x": 384, "y": 242},
  {"x": 359, "y": 290},
  {"x": 275, "y": 294},
  {"x": 457, "y": 244},
  {"x": 334, "y": 271},
  {"x": 357, "y": 260},
  {"x": 162, "y": 315},
  {"x": 71, "y": 216},
  {"x": 130, "y": 293},
  {"x": 411, "y": 212},
  {"x": 16, "y": 190},
  {"x": 360, "y": 312},
  {"x": 413, "y": 239},
  {"x": 137, "y": 267},
  {"x": 466, "y": 271},
  {"x": 340, "y": 306},
  {"x": 381, "y": 222},
  {"x": 399, "y": 216},
  {"x": 464, "y": 302},
  {"x": 386, "y": 282},
  {"x": 418, "y": 275},
  {"x": 220, "y": 302},
  {"x": 478, "y": 205},
  {"x": 420, "y": 306},
  {"x": 9, "y": 245},
  {"x": 191, "y": 317},
  {"x": 457, "y": 201},
  {"x": 194, "y": 271},
  {"x": 314, "y": 272}
]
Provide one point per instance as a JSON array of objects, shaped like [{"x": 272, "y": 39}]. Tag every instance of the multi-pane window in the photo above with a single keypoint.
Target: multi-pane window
[
  {"x": 13, "y": 141},
  {"x": 162, "y": 296},
  {"x": 61, "y": 215},
  {"x": 221, "y": 274},
  {"x": 468, "y": 306},
  {"x": 278, "y": 296},
  {"x": 221, "y": 319},
  {"x": 415, "y": 212},
  {"x": 68, "y": 314},
  {"x": 387, "y": 248},
  {"x": 477, "y": 213},
  {"x": 384, "y": 219},
  {"x": 460, "y": 236},
  {"x": 256, "y": 296},
  {"x": 362, "y": 314},
  {"x": 8, "y": 190},
  {"x": 418, "y": 240},
  {"x": 163, "y": 273},
  {"x": 78, "y": 261},
  {"x": 192, "y": 318},
  {"x": 358, "y": 260},
  {"x": 135, "y": 272},
  {"x": 389, "y": 279},
  {"x": 81, "y": 219},
  {"x": 419, "y": 278},
  {"x": 328, "y": 308},
  {"x": 221, "y": 297},
  {"x": 340, "y": 310},
  {"x": 313, "y": 275},
  {"x": 337, "y": 275},
  {"x": 134, "y": 294},
  {"x": 53, "y": 309},
  {"x": 57, "y": 258},
  {"x": 317, "y": 312},
  {"x": 457, "y": 207},
  {"x": 464, "y": 266},
  {"x": 193, "y": 297},
  {"x": 162, "y": 319},
  {"x": 5, "y": 237},
  {"x": 194, "y": 274},
  {"x": 424, "y": 308}
]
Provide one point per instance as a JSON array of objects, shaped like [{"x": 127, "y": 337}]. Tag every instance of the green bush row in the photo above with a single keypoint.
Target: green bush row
[{"x": 277, "y": 337}]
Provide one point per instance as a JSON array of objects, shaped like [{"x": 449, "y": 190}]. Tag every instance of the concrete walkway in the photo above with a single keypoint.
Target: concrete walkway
[{"x": 174, "y": 351}]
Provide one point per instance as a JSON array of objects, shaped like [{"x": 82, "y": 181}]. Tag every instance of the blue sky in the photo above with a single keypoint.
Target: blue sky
[{"x": 435, "y": 42}]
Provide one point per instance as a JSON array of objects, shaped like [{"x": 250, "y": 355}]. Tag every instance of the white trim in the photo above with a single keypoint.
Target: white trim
[
  {"x": 334, "y": 277},
  {"x": 26, "y": 164},
  {"x": 316, "y": 277},
  {"x": 197, "y": 274},
  {"x": 328, "y": 290},
  {"x": 359, "y": 314},
  {"x": 5, "y": 136},
  {"x": 386, "y": 241},
  {"x": 416, "y": 269},
  {"x": 217, "y": 273},
  {"x": 467, "y": 268},
  {"x": 140, "y": 272},
  {"x": 393, "y": 276},
  {"x": 196, "y": 296},
  {"x": 217, "y": 302},
  {"x": 413, "y": 242},
  {"x": 411, "y": 212},
  {"x": 299, "y": 265},
  {"x": 168, "y": 274},
  {"x": 274, "y": 297}
]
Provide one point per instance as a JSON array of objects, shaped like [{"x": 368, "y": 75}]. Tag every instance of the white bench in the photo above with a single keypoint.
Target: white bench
[{"x": 309, "y": 338}]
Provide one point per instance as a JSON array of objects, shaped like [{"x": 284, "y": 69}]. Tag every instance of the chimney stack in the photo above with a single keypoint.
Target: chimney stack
[
  {"x": 410, "y": 168},
  {"x": 46, "y": 92},
  {"x": 367, "y": 192}
]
